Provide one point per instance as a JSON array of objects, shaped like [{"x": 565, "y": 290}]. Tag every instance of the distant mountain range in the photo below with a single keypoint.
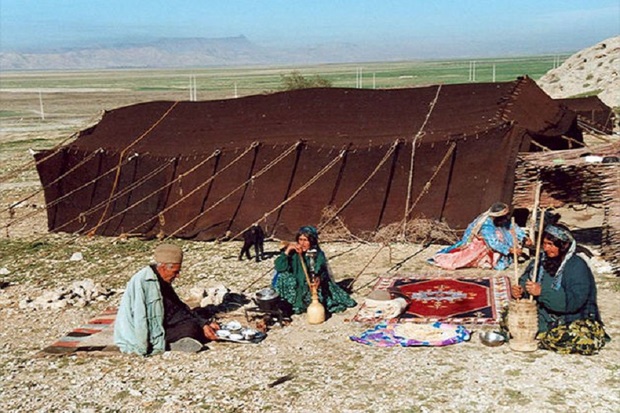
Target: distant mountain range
[{"x": 184, "y": 53}]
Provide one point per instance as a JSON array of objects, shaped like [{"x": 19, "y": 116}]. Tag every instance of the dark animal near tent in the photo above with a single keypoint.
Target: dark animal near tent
[{"x": 253, "y": 236}]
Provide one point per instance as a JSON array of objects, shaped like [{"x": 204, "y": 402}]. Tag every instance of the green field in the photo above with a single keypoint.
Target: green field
[
  {"x": 40, "y": 109},
  {"x": 215, "y": 83}
]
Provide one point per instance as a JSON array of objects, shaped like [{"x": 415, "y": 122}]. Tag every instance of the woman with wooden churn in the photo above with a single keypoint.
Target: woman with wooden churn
[{"x": 565, "y": 291}]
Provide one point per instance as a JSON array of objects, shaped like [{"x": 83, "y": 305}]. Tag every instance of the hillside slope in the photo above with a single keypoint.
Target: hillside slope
[{"x": 595, "y": 70}]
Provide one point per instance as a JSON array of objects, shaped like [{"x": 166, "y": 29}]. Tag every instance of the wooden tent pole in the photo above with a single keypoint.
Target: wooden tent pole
[
  {"x": 535, "y": 209},
  {"x": 538, "y": 242},
  {"x": 514, "y": 249}
]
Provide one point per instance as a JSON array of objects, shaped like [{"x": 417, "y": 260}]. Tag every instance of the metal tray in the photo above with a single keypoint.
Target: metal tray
[{"x": 257, "y": 339}]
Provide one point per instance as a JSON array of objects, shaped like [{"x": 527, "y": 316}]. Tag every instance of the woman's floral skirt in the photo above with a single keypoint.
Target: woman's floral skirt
[{"x": 579, "y": 337}]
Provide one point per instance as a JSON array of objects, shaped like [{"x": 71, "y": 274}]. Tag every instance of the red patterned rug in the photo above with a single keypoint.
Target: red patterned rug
[
  {"x": 465, "y": 300},
  {"x": 95, "y": 336}
]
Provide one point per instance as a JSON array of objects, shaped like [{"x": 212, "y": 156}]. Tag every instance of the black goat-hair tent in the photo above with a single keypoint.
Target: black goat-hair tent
[
  {"x": 196, "y": 170},
  {"x": 592, "y": 111}
]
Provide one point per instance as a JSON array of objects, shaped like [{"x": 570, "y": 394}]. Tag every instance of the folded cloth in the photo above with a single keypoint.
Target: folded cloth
[{"x": 379, "y": 310}]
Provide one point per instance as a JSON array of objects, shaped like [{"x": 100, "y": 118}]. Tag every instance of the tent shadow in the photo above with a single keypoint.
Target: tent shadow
[
  {"x": 232, "y": 302},
  {"x": 346, "y": 284},
  {"x": 589, "y": 236}
]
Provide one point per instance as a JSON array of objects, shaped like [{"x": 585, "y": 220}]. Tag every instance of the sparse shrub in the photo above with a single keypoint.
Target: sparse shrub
[{"x": 295, "y": 80}]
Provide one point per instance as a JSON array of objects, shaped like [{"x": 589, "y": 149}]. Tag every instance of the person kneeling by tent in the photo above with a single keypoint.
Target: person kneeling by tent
[
  {"x": 152, "y": 318},
  {"x": 486, "y": 243},
  {"x": 565, "y": 292},
  {"x": 290, "y": 279}
]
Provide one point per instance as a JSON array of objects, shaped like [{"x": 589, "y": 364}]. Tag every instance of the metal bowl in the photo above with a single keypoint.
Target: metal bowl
[
  {"x": 223, "y": 333},
  {"x": 491, "y": 338},
  {"x": 232, "y": 326},
  {"x": 249, "y": 333},
  {"x": 267, "y": 299},
  {"x": 267, "y": 294}
]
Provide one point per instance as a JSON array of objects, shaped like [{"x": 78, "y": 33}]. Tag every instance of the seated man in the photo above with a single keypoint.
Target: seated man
[
  {"x": 152, "y": 318},
  {"x": 486, "y": 243}
]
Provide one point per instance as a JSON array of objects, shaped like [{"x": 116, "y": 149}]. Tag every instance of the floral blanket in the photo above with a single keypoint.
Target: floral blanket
[{"x": 409, "y": 335}]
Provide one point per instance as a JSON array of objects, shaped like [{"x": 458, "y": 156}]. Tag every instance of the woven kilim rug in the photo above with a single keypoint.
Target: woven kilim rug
[
  {"x": 466, "y": 300},
  {"x": 95, "y": 336}
]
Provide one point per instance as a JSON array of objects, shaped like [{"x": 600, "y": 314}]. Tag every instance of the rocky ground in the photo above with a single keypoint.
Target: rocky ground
[{"x": 322, "y": 369}]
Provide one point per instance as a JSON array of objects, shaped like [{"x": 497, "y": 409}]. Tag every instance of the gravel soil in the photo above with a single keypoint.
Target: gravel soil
[
  {"x": 297, "y": 368},
  {"x": 320, "y": 368}
]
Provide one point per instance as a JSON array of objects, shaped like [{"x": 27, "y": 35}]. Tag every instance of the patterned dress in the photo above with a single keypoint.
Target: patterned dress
[
  {"x": 484, "y": 245},
  {"x": 290, "y": 282}
]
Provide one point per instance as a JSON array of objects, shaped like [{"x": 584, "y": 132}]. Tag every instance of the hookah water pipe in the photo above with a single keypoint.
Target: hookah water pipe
[{"x": 316, "y": 312}]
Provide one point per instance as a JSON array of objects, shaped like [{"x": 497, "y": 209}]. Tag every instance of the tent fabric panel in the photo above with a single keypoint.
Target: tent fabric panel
[
  {"x": 134, "y": 211},
  {"x": 49, "y": 165},
  {"x": 80, "y": 175},
  {"x": 483, "y": 167},
  {"x": 328, "y": 116},
  {"x": 592, "y": 110}
]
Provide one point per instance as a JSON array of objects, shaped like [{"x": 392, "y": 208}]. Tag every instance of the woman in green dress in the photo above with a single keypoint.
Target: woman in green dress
[
  {"x": 565, "y": 293},
  {"x": 290, "y": 279}
]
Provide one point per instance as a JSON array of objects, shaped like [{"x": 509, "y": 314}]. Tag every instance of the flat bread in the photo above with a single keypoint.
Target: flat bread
[{"x": 422, "y": 332}]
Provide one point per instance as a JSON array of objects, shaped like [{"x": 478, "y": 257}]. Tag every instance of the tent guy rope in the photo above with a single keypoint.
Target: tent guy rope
[{"x": 120, "y": 159}]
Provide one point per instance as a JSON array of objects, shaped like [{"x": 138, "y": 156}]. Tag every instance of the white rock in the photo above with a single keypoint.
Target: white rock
[
  {"x": 58, "y": 305},
  {"x": 197, "y": 293},
  {"x": 79, "y": 291},
  {"x": 77, "y": 256},
  {"x": 604, "y": 268},
  {"x": 206, "y": 301},
  {"x": 49, "y": 296},
  {"x": 4, "y": 271}
]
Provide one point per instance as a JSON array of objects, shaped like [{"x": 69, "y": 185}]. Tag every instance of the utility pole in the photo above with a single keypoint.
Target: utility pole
[
  {"x": 41, "y": 105},
  {"x": 192, "y": 88}
]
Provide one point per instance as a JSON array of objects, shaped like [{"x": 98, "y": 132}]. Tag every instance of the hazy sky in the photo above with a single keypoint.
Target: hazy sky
[{"x": 448, "y": 26}]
